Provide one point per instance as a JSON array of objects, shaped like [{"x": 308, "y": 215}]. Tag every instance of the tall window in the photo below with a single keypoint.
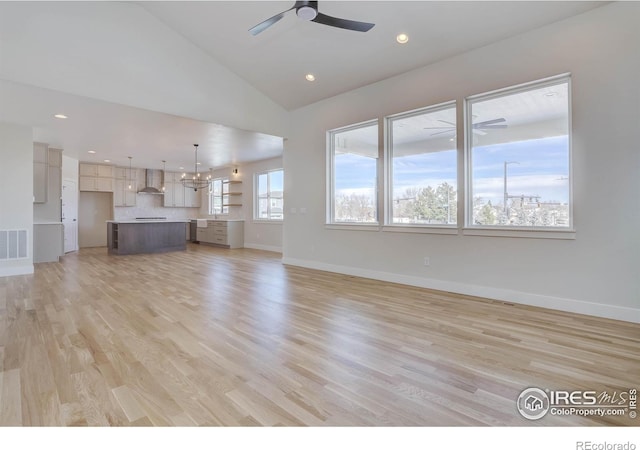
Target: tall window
[
  {"x": 423, "y": 166},
  {"x": 519, "y": 153},
  {"x": 353, "y": 168},
  {"x": 269, "y": 195},
  {"x": 217, "y": 191}
]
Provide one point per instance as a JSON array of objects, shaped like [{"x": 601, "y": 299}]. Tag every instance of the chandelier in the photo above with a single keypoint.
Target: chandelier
[{"x": 196, "y": 182}]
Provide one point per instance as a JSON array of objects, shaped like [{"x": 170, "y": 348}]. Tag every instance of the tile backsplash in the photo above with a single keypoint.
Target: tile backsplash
[{"x": 151, "y": 206}]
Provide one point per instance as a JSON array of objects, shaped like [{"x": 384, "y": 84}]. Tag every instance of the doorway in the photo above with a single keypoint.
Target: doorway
[
  {"x": 70, "y": 215},
  {"x": 95, "y": 209}
]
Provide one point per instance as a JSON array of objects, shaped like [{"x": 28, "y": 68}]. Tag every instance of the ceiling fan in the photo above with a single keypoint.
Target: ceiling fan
[
  {"x": 309, "y": 11},
  {"x": 478, "y": 128}
]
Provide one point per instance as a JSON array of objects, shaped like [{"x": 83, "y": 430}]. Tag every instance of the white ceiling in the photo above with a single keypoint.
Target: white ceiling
[{"x": 274, "y": 62}]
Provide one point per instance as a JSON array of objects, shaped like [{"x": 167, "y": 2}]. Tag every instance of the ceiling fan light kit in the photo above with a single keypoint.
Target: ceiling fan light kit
[{"x": 308, "y": 11}]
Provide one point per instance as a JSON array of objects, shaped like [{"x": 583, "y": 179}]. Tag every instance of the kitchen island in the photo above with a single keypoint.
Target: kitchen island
[{"x": 128, "y": 237}]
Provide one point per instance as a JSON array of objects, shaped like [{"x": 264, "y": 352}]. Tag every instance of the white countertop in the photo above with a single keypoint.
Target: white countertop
[
  {"x": 209, "y": 219},
  {"x": 47, "y": 223},
  {"x": 150, "y": 221}
]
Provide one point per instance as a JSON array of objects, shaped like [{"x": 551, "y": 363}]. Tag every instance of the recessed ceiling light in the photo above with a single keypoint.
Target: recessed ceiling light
[
  {"x": 107, "y": 160},
  {"x": 402, "y": 38},
  {"x": 93, "y": 152},
  {"x": 60, "y": 116},
  {"x": 198, "y": 163},
  {"x": 310, "y": 77},
  {"x": 551, "y": 94},
  {"x": 181, "y": 168}
]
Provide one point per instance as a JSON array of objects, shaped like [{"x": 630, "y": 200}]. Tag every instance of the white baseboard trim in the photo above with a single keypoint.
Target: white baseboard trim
[
  {"x": 269, "y": 248},
  {"x": 506, "y": 295},
  {"x": 16, "y": 270}
]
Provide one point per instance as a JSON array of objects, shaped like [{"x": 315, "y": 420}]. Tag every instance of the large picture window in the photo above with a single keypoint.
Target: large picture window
[
  {"x": 423, "y": 166},
  {"x": 518, "y": 145},
  {"x": 269, "y": 203},
  {"x": 354, "y": 174}
]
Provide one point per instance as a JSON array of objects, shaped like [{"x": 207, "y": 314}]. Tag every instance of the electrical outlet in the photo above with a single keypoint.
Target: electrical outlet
[{"x": 426, "y": 261}]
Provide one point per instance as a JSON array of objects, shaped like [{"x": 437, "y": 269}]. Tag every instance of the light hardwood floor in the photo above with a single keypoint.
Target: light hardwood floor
[{"x": 233, "y": 337}]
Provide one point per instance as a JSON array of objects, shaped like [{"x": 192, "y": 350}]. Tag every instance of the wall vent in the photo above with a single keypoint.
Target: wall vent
[{"x": 13, "y": 244}]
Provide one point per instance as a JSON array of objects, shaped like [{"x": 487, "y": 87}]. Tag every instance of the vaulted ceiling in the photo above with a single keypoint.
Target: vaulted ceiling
[{"x": 149, "y": 79}]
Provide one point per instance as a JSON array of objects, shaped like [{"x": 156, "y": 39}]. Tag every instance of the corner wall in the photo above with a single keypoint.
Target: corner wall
[
  {"x": 597, "y": 273},
  {"x": 16, "y": 191},
  {"x": 261, "y": 235}
]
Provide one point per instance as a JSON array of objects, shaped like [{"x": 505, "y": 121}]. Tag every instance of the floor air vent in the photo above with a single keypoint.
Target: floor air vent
[{"x": 13, "y": 244}]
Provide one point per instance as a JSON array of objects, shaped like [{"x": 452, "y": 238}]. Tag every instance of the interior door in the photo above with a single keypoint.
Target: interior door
[{"x": 70, "y": 215}]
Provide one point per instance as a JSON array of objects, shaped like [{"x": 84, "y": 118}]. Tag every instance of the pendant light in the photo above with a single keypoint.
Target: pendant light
[
  {"x": 196, "y": 182},
  {"x": 164, "y": 171},
  {"x": 130, "y": 179}
]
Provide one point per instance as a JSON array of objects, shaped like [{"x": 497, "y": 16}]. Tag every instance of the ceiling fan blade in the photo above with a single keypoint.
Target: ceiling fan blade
[
  {"x": 267, "y": 23},
  {"x": 489, "y": 122},
  {"x": 492, "y": 127},
  {"x": 438, "y": 128},
  {"x": 447, "y": 122},
  {"x": 342, "y": 23},
  {"x": 440, "y": 132}
]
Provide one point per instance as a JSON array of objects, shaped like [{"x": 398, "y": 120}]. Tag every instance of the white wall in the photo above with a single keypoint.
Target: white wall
[
  {"x": 16, "y": 190},
  {"x": 597, "y": 273},
  {"x": 260, "y": 235},
  {"x": 82, "y": 47}
]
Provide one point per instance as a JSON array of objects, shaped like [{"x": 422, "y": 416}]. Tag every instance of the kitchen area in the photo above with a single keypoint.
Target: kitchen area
[
  {"x": 136, "y": 210},
  {"x": 153, "y": 211},
  {"x": 91, "y": 202}
]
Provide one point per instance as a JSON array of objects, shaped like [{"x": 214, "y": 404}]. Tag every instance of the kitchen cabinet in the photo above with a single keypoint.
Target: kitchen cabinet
[
  {"x": 222, "y": 233},
  {"x": 123, "y": 178},
  {"x": 192, "y": 198},
  {"x": 96, "y": 170},
  {"x": 129, "y": 237},
  {"x": 47, "y": 178},
  {"x": 40, "y": 172},
  {"x": 173, "y": 194},
  {"x": 122, "y": 195},
  {"x": 176, "y": 196},
  {"x": 96, "y": 177},
  {"x": 96, "y": 184}
]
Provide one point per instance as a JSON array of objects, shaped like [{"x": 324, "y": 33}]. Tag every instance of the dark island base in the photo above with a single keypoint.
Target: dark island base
[{"x": 155, "y": 237}]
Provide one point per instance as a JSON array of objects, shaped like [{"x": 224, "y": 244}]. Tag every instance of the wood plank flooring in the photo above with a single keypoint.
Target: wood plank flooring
[{"x": 234, "y": 337}]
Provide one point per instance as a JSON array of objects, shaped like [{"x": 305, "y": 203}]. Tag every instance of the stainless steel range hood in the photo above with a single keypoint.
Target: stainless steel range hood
[{"x": 153, "y": 182}]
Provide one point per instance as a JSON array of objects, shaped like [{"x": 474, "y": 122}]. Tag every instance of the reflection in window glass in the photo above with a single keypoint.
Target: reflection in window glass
[
  {"x": 355, "y": 162},
  {"x": 423, "y": 155},
  {"x": 519, "y": 143}
]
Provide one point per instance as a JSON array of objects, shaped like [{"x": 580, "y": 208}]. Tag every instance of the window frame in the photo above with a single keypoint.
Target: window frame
[
  {"x": 330, "y": 221},
  {"x": 256, "y": 196},
  {"x": 471, "y": 229},
  {"x": 389, "y": 225},
  {"x": 210, "y": 197},
  {"x": 464, "y": 147}
]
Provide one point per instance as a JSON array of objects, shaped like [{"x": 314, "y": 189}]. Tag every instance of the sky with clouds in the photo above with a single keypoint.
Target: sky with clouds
[{"x": 540, "y": 167}]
